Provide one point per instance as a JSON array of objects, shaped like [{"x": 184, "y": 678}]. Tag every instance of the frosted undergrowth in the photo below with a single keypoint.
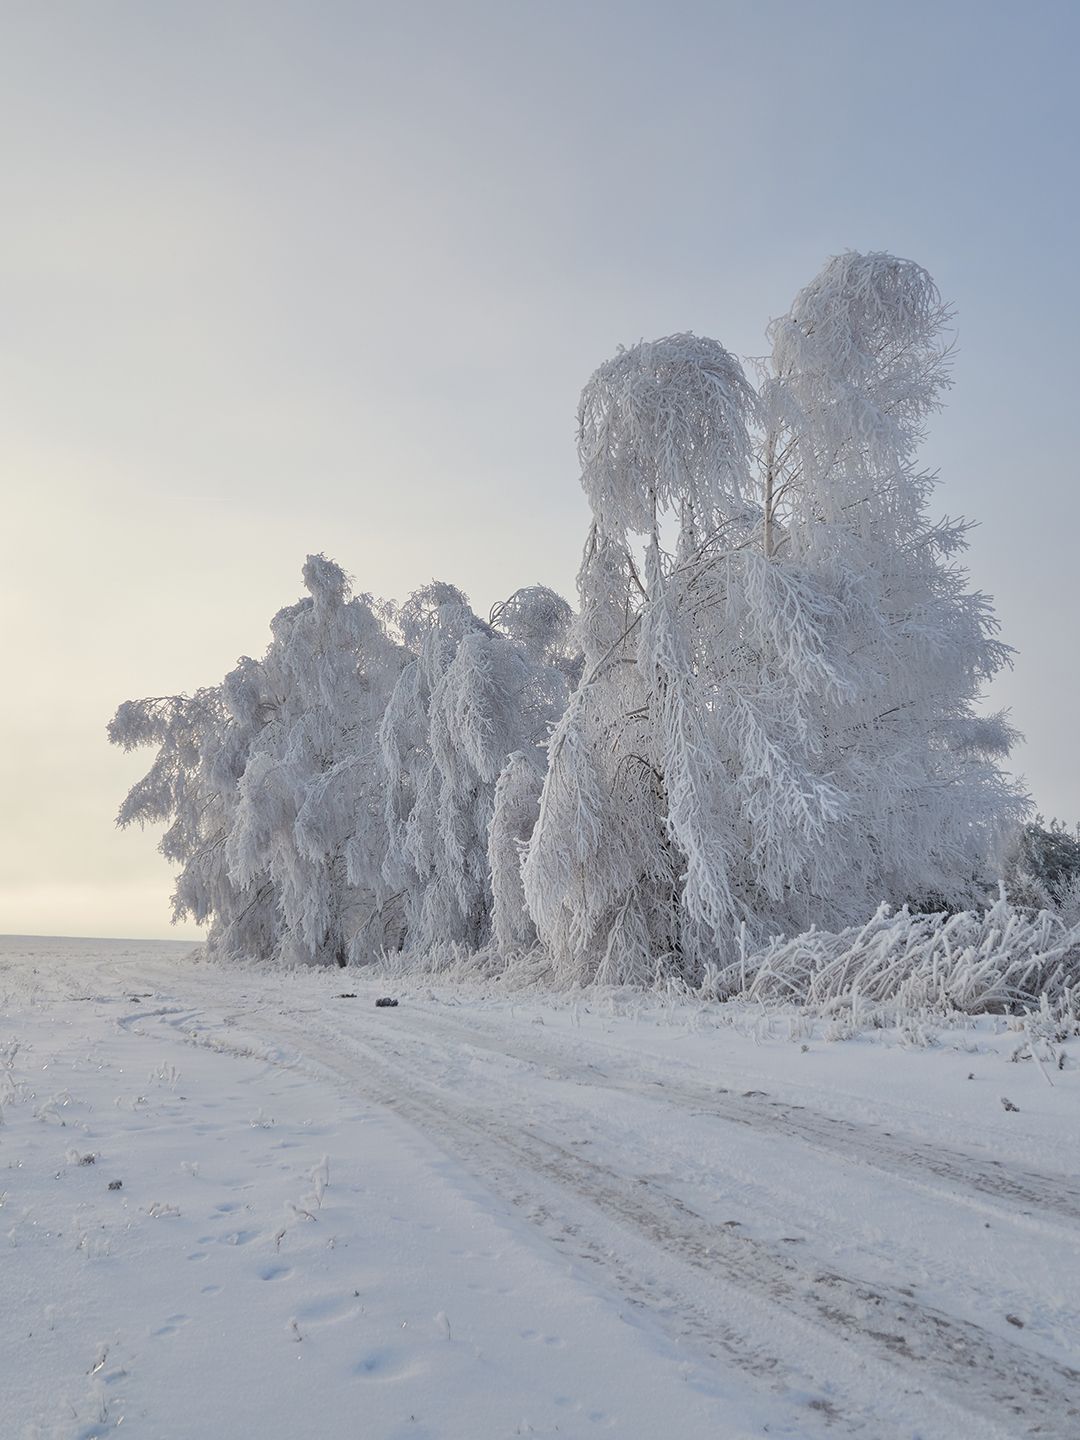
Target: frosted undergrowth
[
  {"x": 1001, "y": 959},
  {"x": 901, "y": 969}
]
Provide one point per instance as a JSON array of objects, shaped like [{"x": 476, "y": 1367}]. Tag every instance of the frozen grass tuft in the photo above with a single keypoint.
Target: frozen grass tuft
[{"x": 999, "y": 960}]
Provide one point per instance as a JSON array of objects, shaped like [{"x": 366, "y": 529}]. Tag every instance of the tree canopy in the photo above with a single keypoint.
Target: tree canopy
[{"x": 763, "y": 717}]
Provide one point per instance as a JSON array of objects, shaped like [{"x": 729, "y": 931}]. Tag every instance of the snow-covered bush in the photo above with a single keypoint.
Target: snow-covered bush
[
  {"x": 1043, "y": 867},
  {"x": 1003, "y": 958}
]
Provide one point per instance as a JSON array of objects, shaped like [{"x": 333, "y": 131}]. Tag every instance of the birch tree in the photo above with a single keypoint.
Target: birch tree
[
  {"x": 203, "y": 742},
  {"x": 470, "y": 698},
  {"x": 858, "y": 366},
  {"x": 310, "y": 819},
  {"x": 778, "y": 721}
]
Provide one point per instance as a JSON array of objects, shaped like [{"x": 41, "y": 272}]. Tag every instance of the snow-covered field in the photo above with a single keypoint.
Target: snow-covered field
[{"x": 482, "y": 1215}]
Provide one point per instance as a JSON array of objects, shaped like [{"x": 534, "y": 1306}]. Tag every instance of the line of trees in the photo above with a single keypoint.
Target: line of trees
[{"x": 763, "y": 716}]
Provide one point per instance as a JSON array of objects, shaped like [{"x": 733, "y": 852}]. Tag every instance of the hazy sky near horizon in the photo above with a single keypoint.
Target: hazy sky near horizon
[{"x": 286, "y": 277}]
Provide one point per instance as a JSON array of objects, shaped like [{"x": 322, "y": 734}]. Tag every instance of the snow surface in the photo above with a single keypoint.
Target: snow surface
[{"x": 485, "y": 1214}]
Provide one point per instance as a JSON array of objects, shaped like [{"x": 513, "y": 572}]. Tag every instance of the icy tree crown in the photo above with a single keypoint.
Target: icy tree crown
[
  {"x": 867, "y": 328},
  {"x": 661, "y": 426},
  {"x": 536, "y": 617}
]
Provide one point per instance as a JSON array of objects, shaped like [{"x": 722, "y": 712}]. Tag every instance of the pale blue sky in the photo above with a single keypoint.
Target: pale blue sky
[{"x": 320, "y": 276}]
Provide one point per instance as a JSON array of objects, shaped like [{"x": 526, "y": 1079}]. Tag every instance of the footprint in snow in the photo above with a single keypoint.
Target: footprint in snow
[
  {"x": 386, "y": 1363},
  {"x": 328, "y": 1311},
  {"x": 541, "y": 1339}
]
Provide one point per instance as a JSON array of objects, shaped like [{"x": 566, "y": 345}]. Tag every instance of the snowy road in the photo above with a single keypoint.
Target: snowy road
[{"x": 560, "y": 1219}]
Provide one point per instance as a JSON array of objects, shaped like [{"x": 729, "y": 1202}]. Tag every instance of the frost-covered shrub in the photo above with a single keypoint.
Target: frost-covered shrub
[
  {"x": 1043, "y": 866},
  {"x": 1003, "y": 958}
]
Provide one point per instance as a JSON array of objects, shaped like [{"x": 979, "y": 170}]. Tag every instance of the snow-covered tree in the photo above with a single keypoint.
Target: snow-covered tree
[
  {"x": 271, "y": 784},
  {"x": 764, "y": 718},
  {"x": 427, "y": 851},
  {"x": 470, "y": 698},
  {"x": 203, "y": 741},
  {"x": 542, "y": 624},
  {"x": 858, "y": 365},
  {"x": 777, "y": 722},
  {"x": 310, "y": 818},
  {"x": 514, "y": 811},
  {"x": 625, "y": 874}
]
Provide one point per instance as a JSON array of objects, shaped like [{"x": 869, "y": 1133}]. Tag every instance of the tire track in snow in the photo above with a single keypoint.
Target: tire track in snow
[
  {"x": 901, "y": 1156},
  {"x": 798, "y": 1320}
]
